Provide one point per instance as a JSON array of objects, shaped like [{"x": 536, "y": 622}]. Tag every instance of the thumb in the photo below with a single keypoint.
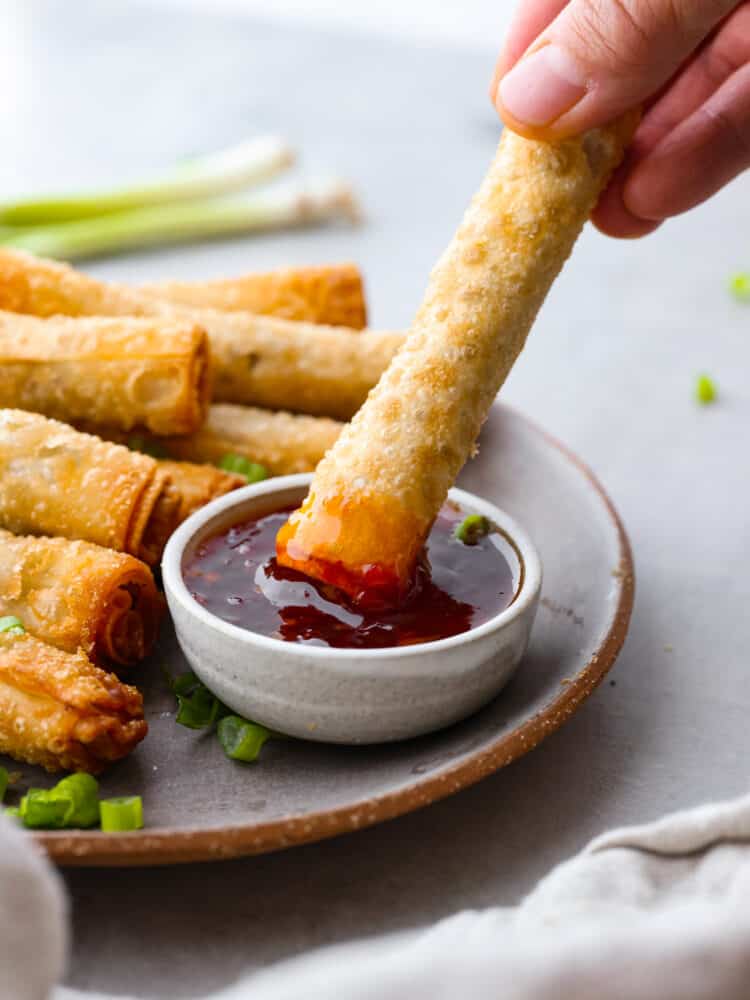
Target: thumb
[{"x": 600, "y": 58}]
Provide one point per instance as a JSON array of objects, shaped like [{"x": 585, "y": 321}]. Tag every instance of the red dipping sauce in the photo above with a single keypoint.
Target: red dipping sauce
[{"x": 235, "y": 575}]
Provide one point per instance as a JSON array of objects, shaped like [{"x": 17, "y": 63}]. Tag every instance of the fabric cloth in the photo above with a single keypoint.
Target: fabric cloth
[{"x": 660, "y": 911}]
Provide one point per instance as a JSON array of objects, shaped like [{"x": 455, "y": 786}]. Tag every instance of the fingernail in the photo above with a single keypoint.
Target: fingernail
[{"x": 541, "y": 87}]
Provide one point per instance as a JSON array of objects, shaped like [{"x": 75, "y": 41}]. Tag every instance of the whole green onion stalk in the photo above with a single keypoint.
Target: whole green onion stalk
[
  {"x": 251, "y": 162},
  {"x": 272, "y": 208}
]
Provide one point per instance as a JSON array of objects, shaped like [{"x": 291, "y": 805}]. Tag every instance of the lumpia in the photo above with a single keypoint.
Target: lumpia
[
  {"x": 282, "y": 442},
  {"x": 56, "y": 481},
  {"x": 75, "y": 595},
  {"x": 119, "y": 371},
  {"x": 376, "y": 493},
  {"x": 198, "y": 484},
  {"x": 258, "y": 360},
  {"x": 58, "y": 710},
  {"x": 332, "y": 295}
]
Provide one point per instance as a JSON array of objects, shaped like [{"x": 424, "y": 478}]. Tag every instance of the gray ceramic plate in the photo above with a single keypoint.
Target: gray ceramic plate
[{"x": 200, "y": 806}]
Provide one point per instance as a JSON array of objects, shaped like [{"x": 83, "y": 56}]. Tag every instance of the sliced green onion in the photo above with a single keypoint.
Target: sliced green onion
[
  {"x": 40, "y": 810},
  {"x": 122, "y": 814},
  {"x": 240, "y": 739},
  {"x": 138, "y": 442},
  {"x": 4, "y": 782},
  {"x": 252, "y": 471},
  {"x": 83, "y": 791},
  {"x": 197, "y": 707},
  {"x": 11, "y": 624},
  {"x": 472, "y": 528},
  {"x": 13, "y": 812},
  {"x": 250, "y": 162},
  {"x": 273, "y": 208},
  {"x": 70, "y": 804},
  {"x": 705, "y": 390},
  {"x": 739, "y": 286}
]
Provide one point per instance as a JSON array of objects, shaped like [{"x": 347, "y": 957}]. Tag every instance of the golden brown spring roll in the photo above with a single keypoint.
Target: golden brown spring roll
[
  {"x": 58, "y": 710},
  {"x": 120, "y": 371},
  {"x": 376, "y": 493},
  {"x": 258, "y": 360},
  {"x": 282, "y": 442},
  {"x": 56, "y": 481},
  {"x": 75, "y": 595},
  {"x": 199, "y": 484},
  {"x": 330, "y": 294}
]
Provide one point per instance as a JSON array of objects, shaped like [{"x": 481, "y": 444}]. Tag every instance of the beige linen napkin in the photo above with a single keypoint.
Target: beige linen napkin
[{"x": 655, "y": 912}]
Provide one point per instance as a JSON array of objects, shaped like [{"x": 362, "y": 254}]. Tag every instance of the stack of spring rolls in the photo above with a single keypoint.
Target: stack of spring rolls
[{"x": 266, "y": 367}]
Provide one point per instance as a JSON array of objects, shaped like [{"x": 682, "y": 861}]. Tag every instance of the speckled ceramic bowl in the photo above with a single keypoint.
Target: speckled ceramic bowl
[{"x": 341, "y": 695}]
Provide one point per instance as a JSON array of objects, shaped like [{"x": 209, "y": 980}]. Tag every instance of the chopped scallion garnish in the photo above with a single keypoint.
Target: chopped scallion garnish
[
  {"x": 705, "y": 390},
  {"x": 252, "y": 471},
  {"x": 4, "y": 782},
  {"x": 739, "y": 286},
  {"x": 121, "y": 815},
  {"x": 472, "y": 528},
  {"x": 72, "y": 803},
  {"x": 240, "y": 739},
  {"x": 11, "y": 624},
  {"x": 137, "y": 442},
  {"x": 197, "y": 707}
]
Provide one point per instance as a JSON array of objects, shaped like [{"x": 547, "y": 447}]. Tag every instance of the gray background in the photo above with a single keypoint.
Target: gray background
[{"x": 97, "y": 91}]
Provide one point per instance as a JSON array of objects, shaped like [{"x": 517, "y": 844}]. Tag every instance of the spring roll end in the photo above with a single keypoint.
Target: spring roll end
[{"x": 332, "y": 539}]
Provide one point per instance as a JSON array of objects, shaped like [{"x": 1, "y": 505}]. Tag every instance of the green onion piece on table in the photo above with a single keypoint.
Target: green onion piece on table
[
  {"x": 252, "y": 471},
  {"x": 240, "y": 739},
  {"x": 4, "y": 782},
  {"x": 122, "y": 814},
  {"x": 299, "y": 204},
  {"x": 472, "y": 528},
  {"x": 739, "y": 286},
  {"x": 9, "y": 623},
  {"x": 705, "y": 390},
  {"x": 251, "y": 162}
]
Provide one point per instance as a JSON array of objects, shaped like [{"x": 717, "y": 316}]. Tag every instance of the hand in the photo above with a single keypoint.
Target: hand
[{"x": 570, "y": 66}]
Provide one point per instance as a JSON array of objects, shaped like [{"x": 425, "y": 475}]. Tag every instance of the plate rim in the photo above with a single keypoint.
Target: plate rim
[{"x": 169, "y": 846}]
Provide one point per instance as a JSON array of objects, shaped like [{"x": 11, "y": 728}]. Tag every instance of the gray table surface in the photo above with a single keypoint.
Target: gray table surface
[{"x": 105, "y": 90}]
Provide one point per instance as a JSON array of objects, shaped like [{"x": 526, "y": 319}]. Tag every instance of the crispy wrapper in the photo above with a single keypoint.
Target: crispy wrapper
[
  {"x": 259, "y": 360},
  {"x": 55, "y": 480},
  {"x": 75, "y": 595},
  {"x": 376, "y": 493},
  {"x": 282, "y": 442},
  {"x": 199, "y": 484},
  {"x": 119, "y": 371},
  {"x": 330, "y": 294},
  {"x": 58, "y": 710}
]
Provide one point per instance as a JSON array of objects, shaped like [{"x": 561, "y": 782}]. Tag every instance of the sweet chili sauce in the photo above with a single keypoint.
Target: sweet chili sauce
[{"x": 235, "y": 575}]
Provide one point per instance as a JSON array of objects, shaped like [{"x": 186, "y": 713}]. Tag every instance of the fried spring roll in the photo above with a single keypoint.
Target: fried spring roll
[
  {"x": 75, "y": 595},
  {"x": 282, "y": 442},
  {"x": 332, "y": 295},
  {"x": 58, "y": 710},
  {"x": 258, "y": 360},
  {"x": 375, "y": 495},
  {"x": 56, "y": 481},
  {"x": 199, "y": 484},
  {"x": 123, "y": 372}
]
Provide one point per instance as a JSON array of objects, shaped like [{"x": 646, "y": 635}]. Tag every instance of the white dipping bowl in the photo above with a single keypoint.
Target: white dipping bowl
[{"x": 346, "y": 695}]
